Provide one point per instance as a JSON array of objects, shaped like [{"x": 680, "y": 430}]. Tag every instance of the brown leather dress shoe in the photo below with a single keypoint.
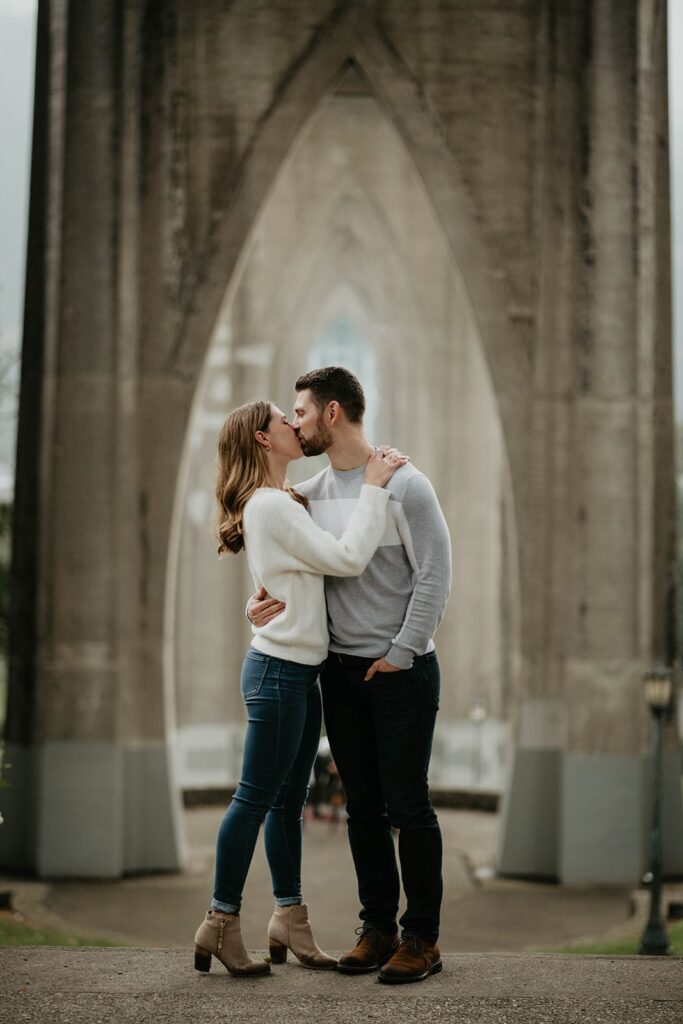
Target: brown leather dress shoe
[
  {"x": 374, "y": 947},
  {"x": 414, "y": 960}
]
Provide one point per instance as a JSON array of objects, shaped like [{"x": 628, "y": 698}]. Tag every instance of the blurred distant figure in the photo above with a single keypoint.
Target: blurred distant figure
[{"x": 326, "y": 795}]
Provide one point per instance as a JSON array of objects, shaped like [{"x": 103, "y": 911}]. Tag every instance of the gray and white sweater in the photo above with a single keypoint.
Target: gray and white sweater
[{"x": 393, "y": 608}]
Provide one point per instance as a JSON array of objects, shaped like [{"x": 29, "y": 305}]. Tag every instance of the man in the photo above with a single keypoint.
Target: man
[{"x": 380, "y": 683}]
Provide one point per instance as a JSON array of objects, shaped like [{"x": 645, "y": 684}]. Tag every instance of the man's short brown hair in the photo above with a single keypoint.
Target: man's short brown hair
[{"x": 335, "y": 384}]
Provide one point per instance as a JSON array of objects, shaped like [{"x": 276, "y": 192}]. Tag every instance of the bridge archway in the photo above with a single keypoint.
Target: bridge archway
[
  {"x": 162, "y": 131},
  {"x": 363, "y": 247}
]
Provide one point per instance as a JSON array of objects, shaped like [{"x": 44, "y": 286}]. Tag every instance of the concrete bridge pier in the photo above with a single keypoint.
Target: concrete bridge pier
[
  {"x": 599, "y": 564},
  {"x": 90, "y": 788}
]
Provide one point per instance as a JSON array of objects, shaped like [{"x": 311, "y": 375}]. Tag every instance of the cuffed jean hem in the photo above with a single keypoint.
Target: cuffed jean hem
[
  {"x": 226, "y": 908},
  {"x": 289, "y": 901}
]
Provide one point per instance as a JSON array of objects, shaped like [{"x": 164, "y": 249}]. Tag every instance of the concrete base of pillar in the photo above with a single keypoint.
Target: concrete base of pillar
[
  {"x": 17, "y": 798},
  {"x": 605, "y": 822},
  {"x": 586, "y": 819},
  {"x": 530, "y": 826},
  {"x": 152, "y": 796},
  {"x": 90, "y": 810},
  {"x": 672, "y": 813}
]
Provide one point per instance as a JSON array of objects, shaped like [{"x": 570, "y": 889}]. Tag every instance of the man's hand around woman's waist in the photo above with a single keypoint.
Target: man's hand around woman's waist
[{"x": 262, "y": 609}]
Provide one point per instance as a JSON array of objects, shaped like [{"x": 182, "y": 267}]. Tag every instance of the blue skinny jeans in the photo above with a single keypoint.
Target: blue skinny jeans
[{"x": 284, "y": 711}]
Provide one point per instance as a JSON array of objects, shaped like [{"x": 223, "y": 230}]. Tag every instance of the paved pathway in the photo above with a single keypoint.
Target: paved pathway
[
  {"x": 47, "y": 985},
  {"x": 43, "y": 985}
]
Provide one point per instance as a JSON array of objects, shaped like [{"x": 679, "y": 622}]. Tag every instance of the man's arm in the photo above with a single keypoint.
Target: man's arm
[
  {"x": 309, "y": 547},
  {"x": 424, "y": 533}
]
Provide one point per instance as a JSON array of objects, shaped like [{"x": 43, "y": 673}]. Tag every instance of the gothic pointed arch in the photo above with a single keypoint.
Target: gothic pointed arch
[{"x": 354, "y": 41}]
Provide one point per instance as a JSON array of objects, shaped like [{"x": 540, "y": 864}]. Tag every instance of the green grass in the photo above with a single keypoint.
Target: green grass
[
  {"x": 626, "y": 947},
  {"x": 14, "y": 931}
]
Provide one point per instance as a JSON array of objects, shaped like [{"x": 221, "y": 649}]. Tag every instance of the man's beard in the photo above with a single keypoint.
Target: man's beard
[{"x": 319, "y": 443}]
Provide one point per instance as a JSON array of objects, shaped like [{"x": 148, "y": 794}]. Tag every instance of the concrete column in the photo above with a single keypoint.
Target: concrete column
[
  {"x": 531, "y": 810},
  {"x": 94, "y": 783},
  {"x": 620, "y": 615},
  {"x": 17, "y": 839},
  {"x": 655, "y": 327},
  {"x": 598, "y": 533},
  {"x": 601, "y": 798},
  {"x": 152, "y": 824}
]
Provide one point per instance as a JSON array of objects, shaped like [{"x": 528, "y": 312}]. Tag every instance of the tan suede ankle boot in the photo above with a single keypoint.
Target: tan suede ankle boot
[
  {"x": 290, "y": 928},
  {"x": 221, "y": 936}
]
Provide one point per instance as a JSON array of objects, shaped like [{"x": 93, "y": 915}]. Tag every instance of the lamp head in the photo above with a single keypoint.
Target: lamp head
[{"x": 657, "y": 686}]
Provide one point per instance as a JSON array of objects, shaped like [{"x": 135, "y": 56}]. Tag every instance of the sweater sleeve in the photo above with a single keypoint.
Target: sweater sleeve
[
  {"x": 428, "y": 544},
  {"x": 284, "y": 522}
]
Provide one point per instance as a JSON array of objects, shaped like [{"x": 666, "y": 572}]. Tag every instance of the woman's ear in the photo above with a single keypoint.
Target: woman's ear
[{"x": 262, "y": 440}]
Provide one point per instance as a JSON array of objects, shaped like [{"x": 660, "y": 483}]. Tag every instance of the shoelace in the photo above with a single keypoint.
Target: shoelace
[
  {"x": 412, "y": 942},
  {"x": 373, "y": 934}
]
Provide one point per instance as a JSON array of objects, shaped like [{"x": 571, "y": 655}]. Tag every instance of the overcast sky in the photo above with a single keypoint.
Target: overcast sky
[
  {"x": 17, "y": 36},
  {"x": 17, "y": 39}
]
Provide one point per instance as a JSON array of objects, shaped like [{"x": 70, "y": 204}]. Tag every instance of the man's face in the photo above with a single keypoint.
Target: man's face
[{"x": 308, "y": 423}]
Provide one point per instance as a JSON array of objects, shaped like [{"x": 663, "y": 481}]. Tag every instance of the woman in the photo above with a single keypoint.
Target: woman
[{"x": 288, "y": 555}]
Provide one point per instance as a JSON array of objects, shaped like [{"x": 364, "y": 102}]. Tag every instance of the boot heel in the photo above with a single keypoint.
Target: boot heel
[
  {"x": 278, "y": 952},
  {"x": 202, "y": 959}
]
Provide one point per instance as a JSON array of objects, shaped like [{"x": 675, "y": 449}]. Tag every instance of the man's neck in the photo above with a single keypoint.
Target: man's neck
[{"x": 349, "y": 452}]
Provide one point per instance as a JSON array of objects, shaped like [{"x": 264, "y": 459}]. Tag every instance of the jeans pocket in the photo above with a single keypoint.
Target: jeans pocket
[
  {"x": 431, "y": 674},
  {"x": 254, "y": 669}
]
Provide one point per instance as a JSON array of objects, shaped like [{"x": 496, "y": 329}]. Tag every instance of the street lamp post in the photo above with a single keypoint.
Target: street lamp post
[{"x": 657, "y": 684}]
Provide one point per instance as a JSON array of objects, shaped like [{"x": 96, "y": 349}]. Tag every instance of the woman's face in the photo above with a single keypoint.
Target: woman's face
[{"x": 280, "y": 433}]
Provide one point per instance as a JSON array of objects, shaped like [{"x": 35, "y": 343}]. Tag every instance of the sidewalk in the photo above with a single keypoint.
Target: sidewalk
[
  {"x": 42, "y": 985},
  {"x": 480, "y": 913}
]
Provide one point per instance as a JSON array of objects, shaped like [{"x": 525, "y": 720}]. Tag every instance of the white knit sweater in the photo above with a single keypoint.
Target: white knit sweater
[{"x": 288, "y": 555}]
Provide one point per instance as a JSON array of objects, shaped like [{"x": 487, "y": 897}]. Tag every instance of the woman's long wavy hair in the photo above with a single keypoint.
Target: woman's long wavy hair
[{"x": 242, "y": 468}]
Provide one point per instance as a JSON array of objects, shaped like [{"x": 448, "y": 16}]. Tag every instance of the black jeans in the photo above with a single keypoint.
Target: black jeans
[{"x": 381, "y": 734}]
